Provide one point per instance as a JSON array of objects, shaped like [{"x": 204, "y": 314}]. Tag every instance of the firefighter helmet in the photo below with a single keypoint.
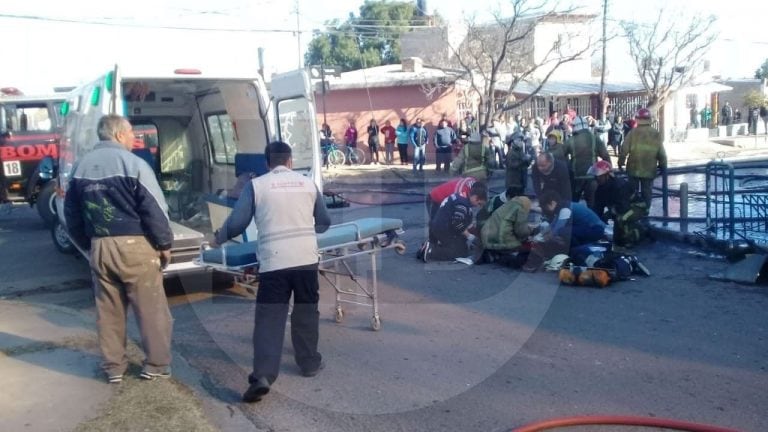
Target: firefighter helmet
[
  {"x": 643, "y": 114},
  {"x": 558, "y": 134}
]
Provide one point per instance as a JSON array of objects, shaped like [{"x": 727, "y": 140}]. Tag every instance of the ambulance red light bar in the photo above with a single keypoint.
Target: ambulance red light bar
[
  {"x": 11, "y": 91},
  {"x": 187, "y": 71}
]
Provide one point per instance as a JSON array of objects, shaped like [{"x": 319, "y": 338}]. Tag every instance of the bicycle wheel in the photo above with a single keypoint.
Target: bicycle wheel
[
  {"x": 336, "y": 158},
  {"x": 356, "y": 156}
]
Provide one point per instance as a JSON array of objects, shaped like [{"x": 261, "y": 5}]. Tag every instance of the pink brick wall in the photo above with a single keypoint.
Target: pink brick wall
[{"x": 389, "y": 103}]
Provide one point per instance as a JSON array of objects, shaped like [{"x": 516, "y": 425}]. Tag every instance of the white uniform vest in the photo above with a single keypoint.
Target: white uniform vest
[{"x": 284, "y": 204}]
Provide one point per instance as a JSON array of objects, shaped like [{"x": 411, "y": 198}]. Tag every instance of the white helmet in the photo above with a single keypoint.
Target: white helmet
[
  {"x": 556, "y": 262},
  {"x": 579, "y": 123}
]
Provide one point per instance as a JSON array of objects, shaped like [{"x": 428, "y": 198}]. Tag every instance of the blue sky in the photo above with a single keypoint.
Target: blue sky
[{"x": 68, "y": 47}]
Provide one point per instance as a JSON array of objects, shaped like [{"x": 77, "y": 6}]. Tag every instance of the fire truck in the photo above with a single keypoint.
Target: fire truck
[{"x": 30, "y": 128}]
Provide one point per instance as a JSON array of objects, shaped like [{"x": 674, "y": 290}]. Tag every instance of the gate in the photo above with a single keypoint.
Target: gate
[{"x": 730, "y": 213}]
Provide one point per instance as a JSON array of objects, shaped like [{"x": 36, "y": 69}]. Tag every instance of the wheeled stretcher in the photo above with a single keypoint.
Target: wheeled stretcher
[{"x": 337, "y": 246}]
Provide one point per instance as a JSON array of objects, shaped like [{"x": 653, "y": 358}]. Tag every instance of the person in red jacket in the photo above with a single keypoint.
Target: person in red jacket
[
  {"x": 435, "y": 197},
  {"x": 389, "y": 142}
]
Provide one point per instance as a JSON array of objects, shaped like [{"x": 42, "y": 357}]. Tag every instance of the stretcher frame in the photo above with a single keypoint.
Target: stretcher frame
[{"x": 333, "y": 264}]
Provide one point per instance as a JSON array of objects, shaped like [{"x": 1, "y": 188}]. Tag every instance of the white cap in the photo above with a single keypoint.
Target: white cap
[{"x": 580, "y": 123}]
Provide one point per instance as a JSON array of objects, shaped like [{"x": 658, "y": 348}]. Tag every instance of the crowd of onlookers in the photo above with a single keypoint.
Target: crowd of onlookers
[{"x": 412, "y": 141}]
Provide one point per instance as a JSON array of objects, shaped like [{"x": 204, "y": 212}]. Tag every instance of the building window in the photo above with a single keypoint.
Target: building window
[{"x": 691, "y": 100}]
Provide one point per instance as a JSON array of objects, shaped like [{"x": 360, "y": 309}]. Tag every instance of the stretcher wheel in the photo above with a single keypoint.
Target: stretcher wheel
[
  {"x": 339, "y": 316},
  {"x": 399, "y": 247},
  {"x": 376, "y": 323},
  {"x": 363, "y": 246}
]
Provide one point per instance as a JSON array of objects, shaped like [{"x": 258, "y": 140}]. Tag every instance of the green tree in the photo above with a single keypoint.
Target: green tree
[
  {"x": 370, "y": 39},
  {"x": 755, "y": 98},
  {"x": 762, "y": 71}
]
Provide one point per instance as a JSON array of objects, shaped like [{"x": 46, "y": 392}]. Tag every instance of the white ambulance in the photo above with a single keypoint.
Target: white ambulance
[{"x": 199, "y": 133}]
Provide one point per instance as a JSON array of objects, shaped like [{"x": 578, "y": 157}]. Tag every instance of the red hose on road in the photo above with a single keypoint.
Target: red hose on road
[{"x": 618, "y": 420}]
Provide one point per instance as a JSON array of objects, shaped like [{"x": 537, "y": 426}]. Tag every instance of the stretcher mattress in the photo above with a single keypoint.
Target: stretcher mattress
[{"x": 244, "y": 254}]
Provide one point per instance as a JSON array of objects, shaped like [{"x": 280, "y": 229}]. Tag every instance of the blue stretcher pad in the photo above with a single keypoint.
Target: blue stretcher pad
[{"x": 244, "y": 254}]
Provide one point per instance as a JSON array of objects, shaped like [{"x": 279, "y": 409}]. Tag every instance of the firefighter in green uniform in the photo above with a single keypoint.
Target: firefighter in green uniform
[
  {"x": 474, "y": 159},
  {"x": 582, "y": 150},
  {"x": 643, "y": 152}
]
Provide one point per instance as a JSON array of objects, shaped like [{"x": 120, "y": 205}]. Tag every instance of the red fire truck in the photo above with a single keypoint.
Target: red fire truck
[{"x": 29, "y": 148}]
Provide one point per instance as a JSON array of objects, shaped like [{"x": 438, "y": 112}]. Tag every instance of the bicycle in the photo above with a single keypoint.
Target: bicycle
[
  {"x": 354, "y": 155},
  {"x": 332, "y": 156}
]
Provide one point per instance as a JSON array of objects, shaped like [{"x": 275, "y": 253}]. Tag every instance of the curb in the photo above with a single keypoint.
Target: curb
[{"x": 224, "y": 416}]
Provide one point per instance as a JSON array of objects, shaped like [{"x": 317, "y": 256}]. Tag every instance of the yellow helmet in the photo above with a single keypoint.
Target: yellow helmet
[{"x": 558, "y": 134}]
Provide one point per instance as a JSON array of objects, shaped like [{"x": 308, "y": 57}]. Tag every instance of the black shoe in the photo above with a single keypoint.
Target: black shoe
[
  {"x": 256, "y": 391},
  {"x": 312, "y": 372},
  {"x": 427, "y": 252}
]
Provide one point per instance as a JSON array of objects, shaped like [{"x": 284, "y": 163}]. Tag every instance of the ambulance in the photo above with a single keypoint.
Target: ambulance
[{"x": 200, "y": 134}]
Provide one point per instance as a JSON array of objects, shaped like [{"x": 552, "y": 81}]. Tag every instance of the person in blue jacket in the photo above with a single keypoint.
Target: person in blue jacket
[
  {"x": 403, "y": 137},
  {"x": 419, "y": 138},
  {"x": 569, "y": 225}
]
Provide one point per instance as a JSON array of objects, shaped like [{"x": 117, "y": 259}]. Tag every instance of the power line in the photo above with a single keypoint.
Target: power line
[{"x": 147, "y": 26}]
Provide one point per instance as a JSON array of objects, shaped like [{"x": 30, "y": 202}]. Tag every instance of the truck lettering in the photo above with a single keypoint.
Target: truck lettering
[{"x": 29, "y": 152}]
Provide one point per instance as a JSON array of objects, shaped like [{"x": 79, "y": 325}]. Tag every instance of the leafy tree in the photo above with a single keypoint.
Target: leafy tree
[
  {"x": 755, "y": 98},
  {"x": 371, "y": 39},
  {"x": 762, "y": 71}
]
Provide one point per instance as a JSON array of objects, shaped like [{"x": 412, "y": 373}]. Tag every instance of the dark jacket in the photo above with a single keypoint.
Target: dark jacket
[
  {"x": 113, "y": 192},
  {"x": 453, "y": 217},
  {"x": 444, "y": 137},
  {"x": 584, "y": 148},
  {"x": 615, "y": 196},
  {"x": 559, "y": 180}
]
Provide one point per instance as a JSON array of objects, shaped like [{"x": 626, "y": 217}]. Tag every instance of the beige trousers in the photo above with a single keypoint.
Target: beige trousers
[{"x": 126, "y": 270}]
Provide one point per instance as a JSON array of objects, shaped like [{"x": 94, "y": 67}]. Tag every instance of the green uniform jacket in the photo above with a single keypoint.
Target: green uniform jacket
[
  {"x": 517, "y": 168},
  {"x": 472, "y": 161},
  {"x": 584, "y": 148},
  {"x": 507, "y": 227},
  {"x": 644, "y": 152}
]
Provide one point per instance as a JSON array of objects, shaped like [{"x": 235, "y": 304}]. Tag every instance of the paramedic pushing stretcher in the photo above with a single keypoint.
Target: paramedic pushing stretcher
[{"x": 288, "y": 210}]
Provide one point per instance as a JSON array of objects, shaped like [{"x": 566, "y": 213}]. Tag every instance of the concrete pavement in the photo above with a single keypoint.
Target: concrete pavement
[{"x": 51, "y": 380}]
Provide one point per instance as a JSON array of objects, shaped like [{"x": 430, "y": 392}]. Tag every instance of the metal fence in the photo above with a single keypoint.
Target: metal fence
[{"x": 731, "y": 213}]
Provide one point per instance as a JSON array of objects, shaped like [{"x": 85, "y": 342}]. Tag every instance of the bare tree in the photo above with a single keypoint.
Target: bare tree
[
  {"x": 669, "y": 53},
  {"x": 504, "y": 52}
]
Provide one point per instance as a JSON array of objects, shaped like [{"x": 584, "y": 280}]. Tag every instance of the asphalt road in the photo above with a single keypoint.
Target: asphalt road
[{"x": 465, "y": 348}]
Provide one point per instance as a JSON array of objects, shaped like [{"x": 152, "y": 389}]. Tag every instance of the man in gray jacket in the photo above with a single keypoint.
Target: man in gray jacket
[{"x": 115, "y": 209}]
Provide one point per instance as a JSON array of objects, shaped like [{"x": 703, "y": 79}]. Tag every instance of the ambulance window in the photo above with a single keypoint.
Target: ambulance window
[{"x": 222, "y": 138}]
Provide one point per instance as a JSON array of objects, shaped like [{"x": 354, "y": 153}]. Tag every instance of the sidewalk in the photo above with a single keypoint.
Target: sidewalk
[
  {"x": 51, "y": 380},
  {"x": 678, "y": 154}
]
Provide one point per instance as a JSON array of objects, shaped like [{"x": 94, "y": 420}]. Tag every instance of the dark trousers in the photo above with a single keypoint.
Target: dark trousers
[
  {"x": 643, "y": 186},
  {"x": 275, "y": 289},
  {"x": 432, "y": 208},
  {"x": 443, "y": 157},
  {"x": 447, "y": 246},
  {"x": 585, "y": 188},
  {"x": 403, "y": 150},
  {"x": 581, "y": 235}
]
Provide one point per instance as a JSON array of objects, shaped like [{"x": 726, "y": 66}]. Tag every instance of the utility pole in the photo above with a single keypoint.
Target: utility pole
[
  {"x": 602, "y": 69},
  {"x": 298, "y": 30}
]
